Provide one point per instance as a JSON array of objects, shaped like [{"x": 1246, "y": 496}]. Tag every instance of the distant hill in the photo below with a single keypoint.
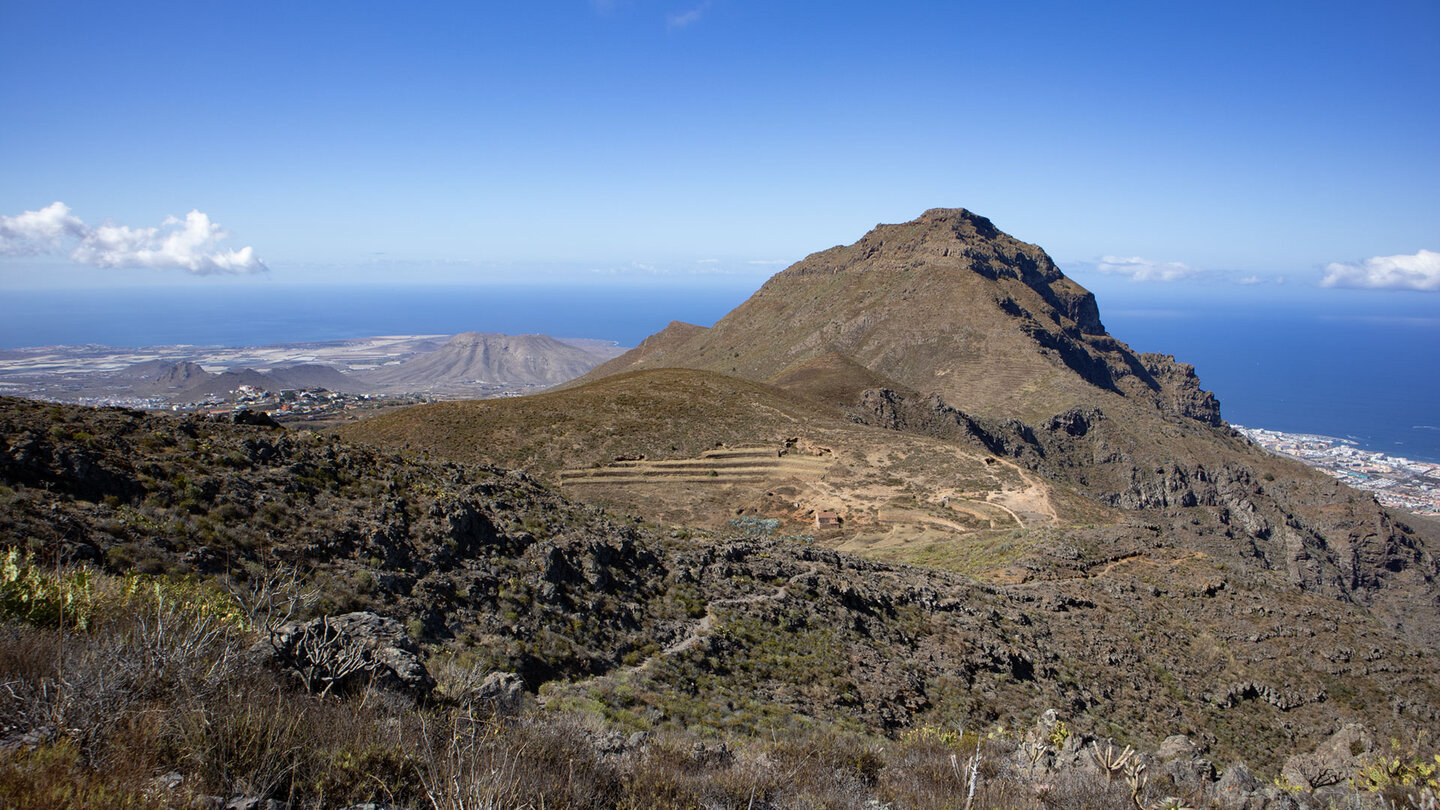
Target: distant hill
[
  {"x": 310, "y": 375},
  {"x": 228, "y": 381},
  {"x": 315, "y": 375},
  {"x": 487, "y": 357},
  {"x": 162, "y": 376},
  {"x": 465, "y": 365}
]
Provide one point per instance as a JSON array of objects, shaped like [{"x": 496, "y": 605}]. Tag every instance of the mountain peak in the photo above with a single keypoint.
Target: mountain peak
[
  {"x": 963, "y": 219},
  {"x": 946, "y": 304}
]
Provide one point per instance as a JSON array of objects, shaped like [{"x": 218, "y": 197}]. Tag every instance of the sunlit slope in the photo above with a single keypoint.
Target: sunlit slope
[
  {"x": 944, "y": 304},
  {"x": 693, "y": 447}
]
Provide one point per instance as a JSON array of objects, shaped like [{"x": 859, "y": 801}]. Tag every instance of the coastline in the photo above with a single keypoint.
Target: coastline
[{"x": 1395, "y": 481}]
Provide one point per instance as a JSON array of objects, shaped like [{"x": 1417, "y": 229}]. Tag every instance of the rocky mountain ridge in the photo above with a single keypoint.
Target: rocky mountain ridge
[
  {"x": 948, "y": 328},
  {"x": 1022, "y": 514}
]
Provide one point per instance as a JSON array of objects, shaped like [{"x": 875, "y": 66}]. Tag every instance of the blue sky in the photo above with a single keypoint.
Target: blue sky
[{"x": 1252, "y": 148}]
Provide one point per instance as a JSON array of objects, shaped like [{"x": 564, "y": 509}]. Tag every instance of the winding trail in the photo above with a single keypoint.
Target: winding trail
[
  {"x": 702, "y": 627},
  {"x": 696, "y": 633}
]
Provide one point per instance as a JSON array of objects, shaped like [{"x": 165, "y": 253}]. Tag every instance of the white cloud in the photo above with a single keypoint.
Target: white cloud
[
  {"x": 1140, "y": 269},
  {"x": 687, "y": 18},
  {"x": 1249, "y": 280},
  {"x": 191, "y": 244},
  {"x": 1404, "y": 272},
  {"x": 707, "y": 261},
  {"x": 38, "y": 231}
]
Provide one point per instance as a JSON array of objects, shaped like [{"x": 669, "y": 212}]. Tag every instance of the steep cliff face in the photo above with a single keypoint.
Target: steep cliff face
[
  {"x": 1180, "y": 389},
  {"x": 1320, "y": 535}
]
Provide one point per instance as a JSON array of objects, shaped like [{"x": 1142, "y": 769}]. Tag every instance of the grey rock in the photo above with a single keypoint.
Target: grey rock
[
  {"x": 1237, "y": 788},
  {"x": 1177, "y": 746},
  {"x": 1273, "y": 798},
  {"x": 711, "y": 756},
  {"x": 1333, "y": 761},
  {"x": 1178, "y": 759},
  {"x": 29, "y": 740},
  {"x": 254, "y": 803},
  {"x": 503, "y": 690}
]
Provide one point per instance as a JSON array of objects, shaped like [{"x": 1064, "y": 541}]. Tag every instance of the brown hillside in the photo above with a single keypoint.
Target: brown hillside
[
  {"x": 697, "y": 448},
  {"x": 1129, "y": 631},
  {"x": 657, "y": 345},
  {"x": 945, "y": 304}
]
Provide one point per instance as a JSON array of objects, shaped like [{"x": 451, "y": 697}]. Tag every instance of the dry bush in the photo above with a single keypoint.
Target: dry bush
[
  {"x": 471, "y": 763},
  {"x": 1082, "y": 789},
  {"x": 679, "y": 771},
  {"x": 271, "y": 741}
]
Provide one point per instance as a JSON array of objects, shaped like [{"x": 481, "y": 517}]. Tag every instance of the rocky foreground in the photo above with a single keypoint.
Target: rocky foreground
[{"x": 307, "y": 595}]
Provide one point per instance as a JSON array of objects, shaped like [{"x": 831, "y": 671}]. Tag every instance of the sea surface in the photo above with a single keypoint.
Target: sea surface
[
  {"x": 1349, "y": 364},
  {"x": 1357, "y": 365}
]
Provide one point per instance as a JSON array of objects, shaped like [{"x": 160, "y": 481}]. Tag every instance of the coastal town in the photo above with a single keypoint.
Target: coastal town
[
  {"x": 286, "y": 405},
  {"x": 1394, "y": 480},
  {"x": 318, "y": 382}
]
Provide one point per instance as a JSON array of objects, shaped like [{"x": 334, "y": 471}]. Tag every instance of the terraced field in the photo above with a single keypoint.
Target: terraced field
[{"x": 739, "y": 465}]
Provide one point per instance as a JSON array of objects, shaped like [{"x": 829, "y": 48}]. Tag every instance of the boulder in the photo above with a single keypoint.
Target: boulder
[
  {"x": 1179, "y": 760},
  {"x": 338, "y": 653},
  {"x": 245, "y": 416},
  {"x": 502, "y": 690},
  {"x": 1333, "y": 761},
  {"x": 1238, "y": 789}
]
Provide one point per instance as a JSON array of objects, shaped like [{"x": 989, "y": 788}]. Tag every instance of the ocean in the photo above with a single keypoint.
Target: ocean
[
  {"x": 1359, "y": 365},
  {"x": 1349, "y": 364}
]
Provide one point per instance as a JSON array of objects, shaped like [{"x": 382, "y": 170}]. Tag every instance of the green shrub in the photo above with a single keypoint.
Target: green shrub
[
  {"x": 54, "y": 778},
  {"x": 1402, "y": 767},
  {"x": 49, "y": 599}
]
